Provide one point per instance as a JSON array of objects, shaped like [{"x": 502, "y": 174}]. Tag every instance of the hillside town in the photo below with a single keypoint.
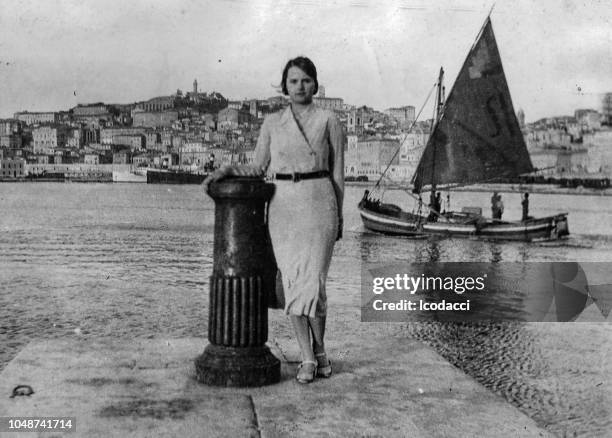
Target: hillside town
[{"x": 198, "y": 131}]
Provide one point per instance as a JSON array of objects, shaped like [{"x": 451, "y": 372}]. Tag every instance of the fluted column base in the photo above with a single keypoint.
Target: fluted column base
[{"x": 239, "y": 367}]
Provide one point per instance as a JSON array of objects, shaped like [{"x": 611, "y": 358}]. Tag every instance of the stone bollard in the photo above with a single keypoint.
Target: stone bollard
[{"x": 243, "y": 275}]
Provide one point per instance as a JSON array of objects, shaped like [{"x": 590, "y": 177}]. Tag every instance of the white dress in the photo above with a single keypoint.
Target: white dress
[{"x": 303, "y": 216}]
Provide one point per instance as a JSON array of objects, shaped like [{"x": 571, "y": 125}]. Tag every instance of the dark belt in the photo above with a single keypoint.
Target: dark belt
[{"x": 298, "y": 176}]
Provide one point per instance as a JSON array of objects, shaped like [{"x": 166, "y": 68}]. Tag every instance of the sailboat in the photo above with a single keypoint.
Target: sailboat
[{"x": 475, "y": 138}]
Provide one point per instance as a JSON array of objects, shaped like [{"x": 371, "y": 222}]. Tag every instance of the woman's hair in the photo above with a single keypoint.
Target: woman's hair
[{"x": 304, "y": 64}]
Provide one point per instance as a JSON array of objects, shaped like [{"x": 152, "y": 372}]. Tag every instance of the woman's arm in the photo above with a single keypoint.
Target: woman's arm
[
  {"x": 337, "y": 140},
  {"x": 260, "y": 163}
]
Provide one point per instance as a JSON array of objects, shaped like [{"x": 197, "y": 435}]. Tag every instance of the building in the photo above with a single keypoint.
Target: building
[
  {"x": 234, "y": 104},
  {"x": 548, "y": 138},
  {"x": 10, "y": 126},
  {"x": 354, "y": 122},
  {"x": 95, "y": 115},
  {"x": 10, "y": 141},
  {"x": 331, "y": 103},
  {"x": 107, "y": 134},
  {"x": 134, "y": 141},
  {"x": 599, "y": 150},
  {"x": 45, "y": 139},
  {"x": 157, "y": 104},
  {"x": 606, "y": 109},
  {"x": 588, "y": 119},
  {"x": 404, "y": 115},
  {"x": 412, "y": 147},
  {"x": 370, "y": 157},
  {"x": 122, "y": 157},
  {"x": 29, "y": 118},
  {"x": 152, "y": 140},
  {"x": 12, "y": 168},
  {"x": 158, "y": 119},
  {"x": 232, "y": 118},
  {"x": 142, "y": 160}
]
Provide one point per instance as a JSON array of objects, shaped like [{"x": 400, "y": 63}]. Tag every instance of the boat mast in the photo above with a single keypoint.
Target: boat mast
[{"x": 438, "y": 113}]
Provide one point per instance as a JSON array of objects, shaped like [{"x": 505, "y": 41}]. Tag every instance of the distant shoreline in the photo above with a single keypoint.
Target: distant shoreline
[{"x": 545, "y": 189}]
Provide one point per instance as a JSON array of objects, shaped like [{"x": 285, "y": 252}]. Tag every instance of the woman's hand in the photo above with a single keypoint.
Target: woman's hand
[{"x": 217, "y": 175}]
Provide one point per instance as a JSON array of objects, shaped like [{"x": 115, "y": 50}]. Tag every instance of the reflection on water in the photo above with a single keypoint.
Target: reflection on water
[{"x": 129, "y": 261}]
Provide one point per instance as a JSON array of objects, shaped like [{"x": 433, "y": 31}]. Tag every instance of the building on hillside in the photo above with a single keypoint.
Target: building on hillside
[
  {"x": 599, "y": 150},
  {"x": 45, "y": 139},
  {"x": 231, "y": 118},
  {"x": 107, "y": 134},
  {"x": 10, "y": 141},
  {"x": 588, "y": 120},
  {"x": 370, "y": 156},
  {"x": 158, "y": 119},
  {"x": 606, "y": 109},
  {"x": 404, "y": 115},
  {"x": 95, "y": 115},
  {"x": 10, "y": 126},
  {"x": 157, "y": 104},
  {"x": 330, "y": 103},
  {"x": 412, "y": 147},
  {"x": 122, "y": 157},
  {"x": 12, "y": 168},
  {"x": 35, "y": 118}
]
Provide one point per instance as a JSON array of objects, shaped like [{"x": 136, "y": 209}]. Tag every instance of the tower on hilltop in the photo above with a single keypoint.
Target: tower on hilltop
[{"x": 195, "y": 87}]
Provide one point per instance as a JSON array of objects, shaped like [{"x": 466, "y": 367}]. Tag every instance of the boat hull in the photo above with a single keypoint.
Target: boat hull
[
  {"x": 387, "y": 224},
  {"x": 174, "y": 177},
  {"x": 406, "y": 224}
]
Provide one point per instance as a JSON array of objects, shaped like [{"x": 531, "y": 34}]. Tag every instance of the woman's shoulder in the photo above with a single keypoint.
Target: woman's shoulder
[
  {"x": 325, "y": 113},
  {"x": 272, "y": 119}
]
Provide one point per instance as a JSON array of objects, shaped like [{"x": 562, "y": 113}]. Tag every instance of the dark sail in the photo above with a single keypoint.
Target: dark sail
[{"x": 477, "y": 138}]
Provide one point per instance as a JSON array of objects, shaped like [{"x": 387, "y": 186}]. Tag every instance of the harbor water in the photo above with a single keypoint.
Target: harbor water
[{"x": 132, "y": 261}]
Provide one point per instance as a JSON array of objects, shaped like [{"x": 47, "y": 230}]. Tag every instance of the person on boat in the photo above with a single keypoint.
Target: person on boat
[
  {"x": 497, "y": 206},
  {"x": 435, "y": 202},
  {"x": 302, "y": 148},
  {"x": 211, "y": 162},
  {"x": 525, "y": 205},
  {"x": 365, "y": 201},
  {"x": 500, "y": 207}
]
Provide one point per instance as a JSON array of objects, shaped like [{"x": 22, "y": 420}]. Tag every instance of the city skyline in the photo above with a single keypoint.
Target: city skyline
[{"x": 557, "y": 55}]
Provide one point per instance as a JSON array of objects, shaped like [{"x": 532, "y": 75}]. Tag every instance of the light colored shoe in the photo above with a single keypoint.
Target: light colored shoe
[
  {"x": 306, "y": 371},
  {"x": 324, "y": 365}
]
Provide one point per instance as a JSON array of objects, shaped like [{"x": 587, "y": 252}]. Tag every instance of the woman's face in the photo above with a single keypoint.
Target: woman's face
[{"x": 300, "y": 86}]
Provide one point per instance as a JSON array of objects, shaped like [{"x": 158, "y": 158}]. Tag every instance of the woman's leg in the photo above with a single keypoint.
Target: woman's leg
[
  {"x": 317, "y": 325},
  {"x": 302, "y": 332}
]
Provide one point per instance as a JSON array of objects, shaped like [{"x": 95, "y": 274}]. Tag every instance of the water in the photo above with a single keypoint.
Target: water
[{"x": 132, "y": 260}]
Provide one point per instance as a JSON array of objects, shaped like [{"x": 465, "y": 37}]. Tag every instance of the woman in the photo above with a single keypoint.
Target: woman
[{"x": 301, "y": 148}]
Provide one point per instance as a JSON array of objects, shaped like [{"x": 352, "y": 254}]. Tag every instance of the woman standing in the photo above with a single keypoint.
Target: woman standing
[{"x": 302, "y": 149}]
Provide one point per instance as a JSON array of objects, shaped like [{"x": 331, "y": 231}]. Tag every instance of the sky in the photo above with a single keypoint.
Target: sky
[{"x": 54, "y": 54}]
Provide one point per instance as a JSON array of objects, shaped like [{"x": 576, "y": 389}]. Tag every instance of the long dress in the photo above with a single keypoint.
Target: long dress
[{"x": 303, "y": 216}]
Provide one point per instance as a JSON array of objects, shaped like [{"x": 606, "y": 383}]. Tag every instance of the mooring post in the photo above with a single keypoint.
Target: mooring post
[{"x": 243, "y": 273}]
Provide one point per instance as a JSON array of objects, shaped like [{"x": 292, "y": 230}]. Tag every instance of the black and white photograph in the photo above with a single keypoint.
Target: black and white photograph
[{"x": 298, "y": 218}]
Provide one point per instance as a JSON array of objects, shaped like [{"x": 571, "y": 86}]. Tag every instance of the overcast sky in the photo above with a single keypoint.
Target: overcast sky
[{"x": 557, "y": 54}]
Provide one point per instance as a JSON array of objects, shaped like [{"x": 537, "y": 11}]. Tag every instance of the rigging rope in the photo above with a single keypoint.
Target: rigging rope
[{"x": 409, "y": 129}]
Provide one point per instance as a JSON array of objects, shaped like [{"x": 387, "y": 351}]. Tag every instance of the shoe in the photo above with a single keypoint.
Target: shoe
[
  {"x": 323, "y": 370},
  {"x": 306, "y": 371}
]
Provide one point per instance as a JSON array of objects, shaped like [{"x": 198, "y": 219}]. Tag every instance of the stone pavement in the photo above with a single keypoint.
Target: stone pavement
[{"x": 384, "y": 385}]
